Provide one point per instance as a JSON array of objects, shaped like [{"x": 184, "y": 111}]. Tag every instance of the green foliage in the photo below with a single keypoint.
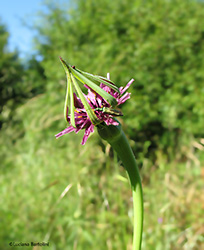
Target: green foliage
[
  {"x": 160, "y": 44},
  {"x": 10, "y": 76},
  {"x": 17, "y": 82}
]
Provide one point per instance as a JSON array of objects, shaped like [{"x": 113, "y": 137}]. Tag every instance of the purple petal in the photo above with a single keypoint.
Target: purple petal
[
  {"x": 88, "y": 130},
  {"x": 124, "y": 98},
  {"x": 65, "y": 131},
  {"x": 82, "y": 124},
  {"x": 77, "y": 102},
  {"x": 91, "y": 98},
  {"x": 122, "y": 90},
  {"x": 110, "y": 121}
]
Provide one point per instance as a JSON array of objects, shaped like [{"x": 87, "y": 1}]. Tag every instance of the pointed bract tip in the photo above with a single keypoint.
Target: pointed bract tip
[
  {"x": 61, "y": 59},
  {"x": 64, "y": 64}
]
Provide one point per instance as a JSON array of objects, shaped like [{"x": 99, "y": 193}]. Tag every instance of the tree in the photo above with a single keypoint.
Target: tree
[
  {"x": 159, "y": 43},
  {"x": 18, "y": 81},
  {"x": 11, "y": 71}
]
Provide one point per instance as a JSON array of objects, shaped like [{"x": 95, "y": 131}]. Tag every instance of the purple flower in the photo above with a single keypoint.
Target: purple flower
[{"x": 97, "y": 103}]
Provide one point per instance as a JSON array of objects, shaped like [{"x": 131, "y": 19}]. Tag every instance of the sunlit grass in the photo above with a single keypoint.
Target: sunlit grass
[{"x": 92, "y": 211}]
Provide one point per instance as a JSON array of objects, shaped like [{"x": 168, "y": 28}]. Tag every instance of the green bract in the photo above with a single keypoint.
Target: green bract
[
  {"x": 92, "y": 84},
  {"x": 91, "y": 81},
  {"x": 70, "y": 94}
]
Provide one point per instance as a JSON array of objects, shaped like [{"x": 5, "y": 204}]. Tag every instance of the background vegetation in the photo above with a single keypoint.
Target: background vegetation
[{"x": 78, "y": 197}]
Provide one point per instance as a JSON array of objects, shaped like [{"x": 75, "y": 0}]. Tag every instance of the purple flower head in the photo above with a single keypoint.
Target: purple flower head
[{"x": 101, "y": 107}]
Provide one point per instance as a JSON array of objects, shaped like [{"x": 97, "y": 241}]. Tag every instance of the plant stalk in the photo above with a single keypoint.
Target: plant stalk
[{"x": 117, "y": 139}]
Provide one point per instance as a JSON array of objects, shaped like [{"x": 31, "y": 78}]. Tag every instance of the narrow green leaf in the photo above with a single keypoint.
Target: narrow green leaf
[
  {"x": 66, "y": 102},
  {"x": 109, "y": 98},
  {"x": 72, "y": 107},
  {"x": 66, "y": 108},
  {"x": 87, "y": 107},
  {"x": 99, "y": 79},
  {"x": 69, "y": 94}
]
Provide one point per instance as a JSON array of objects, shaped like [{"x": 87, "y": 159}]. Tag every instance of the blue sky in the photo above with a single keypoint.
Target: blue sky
[{"x": 13, "y": 13}]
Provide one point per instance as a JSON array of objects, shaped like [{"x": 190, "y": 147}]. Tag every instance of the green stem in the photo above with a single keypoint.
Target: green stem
[{"x": 117, "y": 139}]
